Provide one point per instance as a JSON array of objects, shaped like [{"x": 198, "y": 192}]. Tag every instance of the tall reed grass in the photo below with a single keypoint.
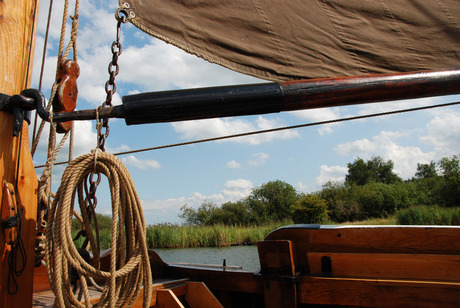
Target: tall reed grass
[
  {"x": 183, "y": 236},
  {"x": 429, "y": 215}
]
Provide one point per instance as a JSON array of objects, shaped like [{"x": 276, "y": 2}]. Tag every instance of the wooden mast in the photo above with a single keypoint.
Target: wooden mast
[{"x": 17, "y": 31}]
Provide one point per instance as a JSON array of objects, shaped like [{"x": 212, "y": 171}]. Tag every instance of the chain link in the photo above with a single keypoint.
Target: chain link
[{"x": 110, "y": 85}]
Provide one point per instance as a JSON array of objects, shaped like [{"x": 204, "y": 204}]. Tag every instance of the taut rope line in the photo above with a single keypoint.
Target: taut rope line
[{"x": 278, "y": 129}]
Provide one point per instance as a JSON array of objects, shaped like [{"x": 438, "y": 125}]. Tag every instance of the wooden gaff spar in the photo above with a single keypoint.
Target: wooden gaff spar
[{"x": 202, "y": 103}]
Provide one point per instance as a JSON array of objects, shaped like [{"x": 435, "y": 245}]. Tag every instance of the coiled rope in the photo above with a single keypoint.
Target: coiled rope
[{"x": 129, "y": 264}]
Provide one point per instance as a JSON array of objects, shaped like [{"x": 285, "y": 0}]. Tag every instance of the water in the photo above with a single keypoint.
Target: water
[{"x": 245, "y": 256}]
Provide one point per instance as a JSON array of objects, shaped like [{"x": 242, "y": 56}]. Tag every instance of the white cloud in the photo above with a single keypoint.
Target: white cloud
[
  {"x": 233, "y": 164},
  {"x": 143, "y": 164},
  {"x": 331, "y": 173},
  {"x": 168, "y": 210},
  {"x": 260, "y": 159},
  {"x": 318, "y": 115},
  {"x": 211, "y": 128},
  {"x": 444, "y": 133},
  {"x": 405, "y": 158},
  {"x": 237, "y": 189}
]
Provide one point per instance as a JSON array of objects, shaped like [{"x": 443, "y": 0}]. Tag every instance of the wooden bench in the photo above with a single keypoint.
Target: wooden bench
[{"x": 368, "y": 266}]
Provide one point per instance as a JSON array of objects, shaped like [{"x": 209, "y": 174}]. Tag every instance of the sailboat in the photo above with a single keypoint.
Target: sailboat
[{"x": 321, "y": 54}]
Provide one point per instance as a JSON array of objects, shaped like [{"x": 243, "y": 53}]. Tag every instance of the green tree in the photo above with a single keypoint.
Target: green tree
[
  {"x": 235, "y": 213},
  {"x": 425, "y": 171},
  {"x": 381, "y": 200},
  {"x": 374, "y": 170},
  {"x": 342, "y": 203},
  {"x": 450, "y": 167},
  {"x": 310, "y": 209},
  {"x": 202, "y": 215},
  {"x": 450, "y": 188},
  {"x": 271, "y": 201}
]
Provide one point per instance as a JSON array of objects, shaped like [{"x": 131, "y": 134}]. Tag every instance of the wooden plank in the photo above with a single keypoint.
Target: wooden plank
[
  {"x": 377, "y": 292},
  {"x": 159, "y": 285},
  {"x": 41, "y": 282},
  {"x": 398, "y": 266},
  {"x": 277, "y": 262},
  {"x": 369, "y": 239},
  {"x": 199, "y": 296},
  {"x": 167, "y": 299},
  {"x": 218, "y": 279}
]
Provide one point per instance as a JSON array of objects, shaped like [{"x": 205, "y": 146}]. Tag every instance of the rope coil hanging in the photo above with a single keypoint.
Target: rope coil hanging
[{"x": 129, "y": 263}]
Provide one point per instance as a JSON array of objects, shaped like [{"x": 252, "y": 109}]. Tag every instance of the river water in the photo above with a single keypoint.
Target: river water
[{"x": 245, "y": 256}]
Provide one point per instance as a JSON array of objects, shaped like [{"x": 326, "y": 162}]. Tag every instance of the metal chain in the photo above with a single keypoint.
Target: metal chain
[{"x": 122, "y": 16}]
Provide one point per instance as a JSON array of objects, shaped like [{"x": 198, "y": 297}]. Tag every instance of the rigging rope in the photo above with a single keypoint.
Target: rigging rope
[
  {"x": 44, "y": 189},
  {"x": 129, "y": 262},
  {"x": 62, "y": 55},
  {"x": 42, "y": 69},
  {"x": 278, "y": 129}
]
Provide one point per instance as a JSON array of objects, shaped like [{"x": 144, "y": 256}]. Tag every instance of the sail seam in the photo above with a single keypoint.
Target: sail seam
[
  {"x": 400, "y": 34},
  {"x": 341, "y": 34},
  {"x": 274, "y": 36},
  {"x": 449, "y": 16}
]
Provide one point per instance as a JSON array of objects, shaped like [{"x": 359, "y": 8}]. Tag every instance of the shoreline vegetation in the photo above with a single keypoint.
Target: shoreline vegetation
[
  {"x": 372, "y": 194},
  {"x": 219, "y": 235}
]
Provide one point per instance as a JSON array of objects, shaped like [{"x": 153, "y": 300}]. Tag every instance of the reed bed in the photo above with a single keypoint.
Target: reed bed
[
  {"x": 429, "y": 215},
  {"x": 184, "y": 236}
]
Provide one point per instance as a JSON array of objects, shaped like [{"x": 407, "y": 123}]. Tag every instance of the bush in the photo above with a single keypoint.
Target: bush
[{"x": 310, "y": 209}]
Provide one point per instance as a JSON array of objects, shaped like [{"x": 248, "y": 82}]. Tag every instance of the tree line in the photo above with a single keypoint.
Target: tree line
[{"x": 371, "y": 190}]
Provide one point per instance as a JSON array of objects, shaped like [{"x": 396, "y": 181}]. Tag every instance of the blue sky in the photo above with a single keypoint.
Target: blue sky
[{"x": 224, "y": 171}]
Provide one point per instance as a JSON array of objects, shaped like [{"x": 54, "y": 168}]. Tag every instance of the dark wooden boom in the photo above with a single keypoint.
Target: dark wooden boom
[{"x": 203, "y": 103}]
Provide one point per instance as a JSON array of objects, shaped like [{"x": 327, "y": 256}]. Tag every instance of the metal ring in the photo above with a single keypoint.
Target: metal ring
[{"x": 122, "y": 15}]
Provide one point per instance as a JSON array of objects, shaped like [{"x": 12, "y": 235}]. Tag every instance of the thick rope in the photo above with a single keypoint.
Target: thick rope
[{"x": 129, "y": 264}]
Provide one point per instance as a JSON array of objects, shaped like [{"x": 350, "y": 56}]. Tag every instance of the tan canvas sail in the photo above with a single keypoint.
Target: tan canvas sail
[{"x": 283, "y": 40}]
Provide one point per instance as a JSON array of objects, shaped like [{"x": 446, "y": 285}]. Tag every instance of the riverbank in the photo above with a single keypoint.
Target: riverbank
[
  {"x": 183, "y": 236},
  {"x": 191, "y": 236}
]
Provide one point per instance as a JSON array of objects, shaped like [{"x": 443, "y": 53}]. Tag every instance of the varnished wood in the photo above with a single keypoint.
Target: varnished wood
[
  {"x": 377, "y": 292},
  {"x": 178, "y": 287},
  {"x": 27, "y": 185},
  {"x": 203, "y": 103},
  {"x": 388, "y": 266},
  {"x": 16, "y": 58},
  {"x": 278, "y": 269},
  {"x": 199, "y": 296},
  {"x": 369, "y": 239},
  {"x": 67, "y": 92},
  {"x": 218, "y": 279},
  {"x": 167, "y": 299},
  {"x": 16, "y": 46},
  {"x": 41, "y": 282}
]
